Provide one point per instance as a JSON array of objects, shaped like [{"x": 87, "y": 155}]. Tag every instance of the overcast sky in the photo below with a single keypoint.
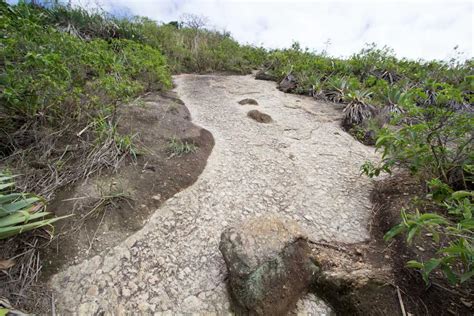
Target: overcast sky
[{"x": 415, "y": 29}]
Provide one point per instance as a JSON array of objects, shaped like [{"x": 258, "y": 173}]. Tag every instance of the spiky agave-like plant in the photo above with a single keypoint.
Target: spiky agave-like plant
[
  {"x": 337, "y": 89},
  {"x": 395, "y": 98},
  {"x": 20, "y": 212},
  {"x": 357, "y": 109}
]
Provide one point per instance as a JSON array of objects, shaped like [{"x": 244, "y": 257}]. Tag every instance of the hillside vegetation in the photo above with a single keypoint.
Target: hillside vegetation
[{"x": 66, "y": 70}]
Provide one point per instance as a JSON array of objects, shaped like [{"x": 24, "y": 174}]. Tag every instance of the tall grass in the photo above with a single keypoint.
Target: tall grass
[{"x": 188, "y": 47}]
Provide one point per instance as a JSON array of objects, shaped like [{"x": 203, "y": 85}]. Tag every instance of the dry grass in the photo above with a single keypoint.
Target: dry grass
[
  {"x": 51, "y": 162},
  {"x": 18, "y": 281},
  {"x": 61, "y": 158}
]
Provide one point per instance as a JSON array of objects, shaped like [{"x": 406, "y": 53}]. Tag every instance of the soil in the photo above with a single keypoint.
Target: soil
[
  {"x": 109, "y": 207},
  {"x": 138, "y": 187},
  {"x": 437, "y": 298}
]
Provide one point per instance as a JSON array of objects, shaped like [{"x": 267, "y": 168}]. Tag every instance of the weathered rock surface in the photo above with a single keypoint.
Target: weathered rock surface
[
  {"x": 271, "y": 264},
  {"x": 350, "y": 285},
  {"x": 302, "y": 167},
  {"x": 288, "y": 83},
  {"x": 259, "y": 116},
  {"x": 268, "y": 263}
]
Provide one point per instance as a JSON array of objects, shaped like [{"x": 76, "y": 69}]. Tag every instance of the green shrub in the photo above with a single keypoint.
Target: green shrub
[
  {"x": 188, "y": 49},
  {"x": 435, "y": 142},
  {"x": 200, "y": 50},
  {"x": 376, "y": 74},
  {"x": 431, "y": 142},
  {"x": 51, "y": 77},
  {"x": 456, "y": 259}
]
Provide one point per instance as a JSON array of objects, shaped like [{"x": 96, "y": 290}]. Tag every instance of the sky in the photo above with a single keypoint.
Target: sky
[{"x": 416, "y": 29}]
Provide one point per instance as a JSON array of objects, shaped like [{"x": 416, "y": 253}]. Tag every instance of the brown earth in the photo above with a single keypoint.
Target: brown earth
[
  {"x": 137, "y": 187},
  {"x": 437, "y": 298},
  {"x": 109, "y": 207}
]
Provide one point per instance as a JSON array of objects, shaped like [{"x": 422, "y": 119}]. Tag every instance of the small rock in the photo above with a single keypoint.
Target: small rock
[
  {"x": 92, "y": 291},
  {"x": 156, "y": 197},
  {"x": 259, "y": 116},
  {"x": 248, "y": 101}
]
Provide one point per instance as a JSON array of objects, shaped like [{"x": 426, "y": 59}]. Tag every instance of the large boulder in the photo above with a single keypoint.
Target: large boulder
[
  {"x": 288, "y": 84},
  {"x": 269, "y": 265}
]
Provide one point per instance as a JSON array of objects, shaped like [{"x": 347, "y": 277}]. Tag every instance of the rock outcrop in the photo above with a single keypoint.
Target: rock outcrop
[{"x": 269, "y": 265}]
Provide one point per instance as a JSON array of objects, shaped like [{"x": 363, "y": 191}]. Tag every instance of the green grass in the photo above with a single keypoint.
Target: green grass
[{"x": 177, "y": 147}]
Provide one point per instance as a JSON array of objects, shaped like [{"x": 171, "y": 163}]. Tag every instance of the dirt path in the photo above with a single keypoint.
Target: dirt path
[{"x": 302, "y": 166}]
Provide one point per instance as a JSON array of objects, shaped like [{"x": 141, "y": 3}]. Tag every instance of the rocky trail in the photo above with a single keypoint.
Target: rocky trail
[{"x": 301, "y": 165}]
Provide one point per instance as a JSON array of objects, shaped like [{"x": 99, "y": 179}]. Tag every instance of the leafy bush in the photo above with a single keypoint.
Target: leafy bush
[
  {"x": 188, "y": 45},
  {"x": 434, "y": 141},
  {"x": 456, "y": 259},
  {"x": 20, "y": 212},
  {"x": 431, "y": 142},
  {"x": 51, "y": 77}
]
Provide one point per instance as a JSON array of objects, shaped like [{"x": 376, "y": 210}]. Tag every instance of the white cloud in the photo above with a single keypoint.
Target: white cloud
[{"x": 414, "y": 29}]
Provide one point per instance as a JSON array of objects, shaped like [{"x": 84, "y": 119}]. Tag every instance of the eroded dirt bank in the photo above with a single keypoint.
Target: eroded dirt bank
[
  {"x": 107, "y": 208},
  {"x": 301, "y": 165},
  {"x": 110, "y": 205}
]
